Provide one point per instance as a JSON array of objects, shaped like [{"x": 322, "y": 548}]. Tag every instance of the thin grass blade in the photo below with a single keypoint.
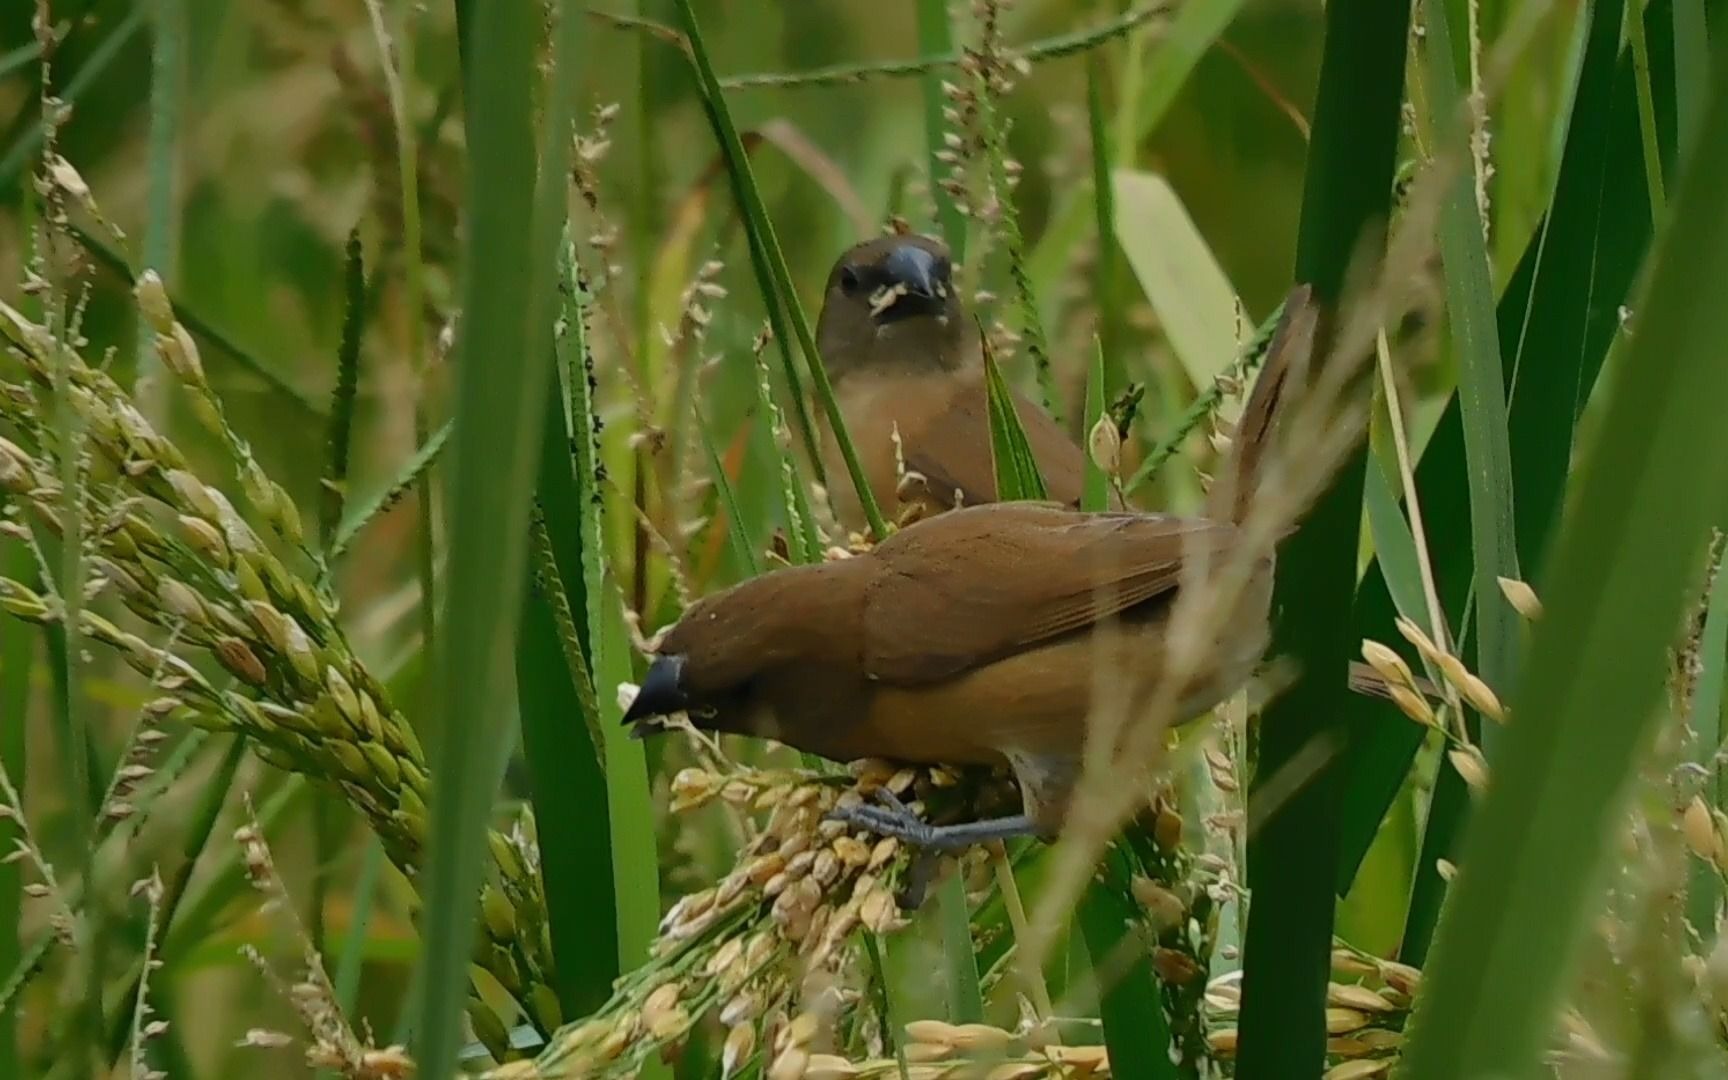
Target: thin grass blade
[
  {"x": 115, "y": 263},
  {"x": 1017, "y": 475},
  {"x": 1104, "y": 213},
  {"x": 386, "y": 500},
  {"x": 803, "y": 543},
  {"x": 24, "y": 137},
  {"x": 1177, "y": 271},
  {"x": 197, "y": 840},
  {"x": 744, "y": 547},
  {"x": 1169, "y": 61},
  {"x": 167, "y": 76},
  {"x": 1481, "y": 382}
]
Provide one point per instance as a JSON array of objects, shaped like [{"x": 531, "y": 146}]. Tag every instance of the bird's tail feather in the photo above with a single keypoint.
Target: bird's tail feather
[{"x": 1287, "y": 356}]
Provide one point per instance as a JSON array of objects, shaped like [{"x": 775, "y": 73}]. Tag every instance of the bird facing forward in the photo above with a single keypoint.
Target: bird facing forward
[
  {"x": 974, "y": 636},
  {"x": 906, "y": 363}
]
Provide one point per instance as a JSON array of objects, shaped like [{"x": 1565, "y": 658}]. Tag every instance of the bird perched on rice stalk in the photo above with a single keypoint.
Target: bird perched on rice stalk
[{"x": 975, "y": 636}]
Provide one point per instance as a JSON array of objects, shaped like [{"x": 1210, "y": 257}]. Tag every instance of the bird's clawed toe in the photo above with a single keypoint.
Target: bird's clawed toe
[{"x": 892, "y": 820}]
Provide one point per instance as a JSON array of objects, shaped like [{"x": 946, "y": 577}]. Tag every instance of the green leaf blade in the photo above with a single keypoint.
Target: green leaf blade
[
  {"x": 1635, "y": 532},
  {"x": 1017, "y": 475},
  {"x": 501, "y": 359},
  {"x": 1288, "y": 941}
]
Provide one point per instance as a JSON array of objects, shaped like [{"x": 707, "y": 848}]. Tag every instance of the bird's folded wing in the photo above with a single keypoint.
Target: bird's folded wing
[
  {"x": 953, "y": 450},
  {"x": 964, "y": 589}
]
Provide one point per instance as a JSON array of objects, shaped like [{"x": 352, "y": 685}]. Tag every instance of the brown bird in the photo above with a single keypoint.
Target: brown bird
[
  {"x": 974, "y": 636},
  {"x": 905, "y": 357}
]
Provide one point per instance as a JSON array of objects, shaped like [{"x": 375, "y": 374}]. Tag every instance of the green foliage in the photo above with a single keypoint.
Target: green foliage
[
  {"x": 1288, "y": 943},
  {"x": 576, "y": 321},
  {"x": 1618, "y": 580},
  {"x": 502, "y": 384}
]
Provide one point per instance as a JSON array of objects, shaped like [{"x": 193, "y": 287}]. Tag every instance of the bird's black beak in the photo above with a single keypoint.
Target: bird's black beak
[
  {"x": 916, "y": 269},
  {"x": 662, "y": 693}
]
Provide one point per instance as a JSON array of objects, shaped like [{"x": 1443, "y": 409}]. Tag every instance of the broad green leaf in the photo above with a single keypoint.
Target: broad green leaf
[
  {"x": 558, "y": 709},
  {"x": 1135, "y": 1030},
  {"x": 1195, "y": 302},
  {"x": 1169, "y": 61},
  {"x": 1288, "y": 942},
  {"x": 1619, "y": 578},
  {"x": 1556, "y": 319}
]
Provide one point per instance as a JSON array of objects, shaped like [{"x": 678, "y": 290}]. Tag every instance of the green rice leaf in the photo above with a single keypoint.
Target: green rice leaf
[
  {"x": 1017, "y": 475},
  {"x": 1557, "y": 317},
  {"x": 1619, "y": 578},
  {"x": 1135, "y": 1030},
  {"x": 503, "y": 350},
  {"x": 1288, "y": 939}
]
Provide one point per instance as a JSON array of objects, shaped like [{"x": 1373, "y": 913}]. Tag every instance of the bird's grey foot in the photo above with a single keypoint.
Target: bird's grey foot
[{"x": 895, "y": 820}]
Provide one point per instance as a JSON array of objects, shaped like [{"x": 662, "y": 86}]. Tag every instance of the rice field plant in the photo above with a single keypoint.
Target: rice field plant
[{"x": 385, "y": 384}]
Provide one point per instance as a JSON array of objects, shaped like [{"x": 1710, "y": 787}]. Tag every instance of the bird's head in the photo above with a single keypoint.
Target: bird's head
[{"x": 891, "y": 301}]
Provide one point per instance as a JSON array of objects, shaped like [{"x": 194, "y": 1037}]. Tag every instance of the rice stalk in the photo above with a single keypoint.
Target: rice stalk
[{"x": 178, "y": 553}]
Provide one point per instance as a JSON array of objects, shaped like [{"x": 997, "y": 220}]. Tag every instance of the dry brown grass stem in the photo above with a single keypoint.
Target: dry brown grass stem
[{"x": 1438, "y": 631}]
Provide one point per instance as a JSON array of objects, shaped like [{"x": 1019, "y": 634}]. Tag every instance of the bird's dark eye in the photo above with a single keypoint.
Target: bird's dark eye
[{"x": 850, "y": 283}]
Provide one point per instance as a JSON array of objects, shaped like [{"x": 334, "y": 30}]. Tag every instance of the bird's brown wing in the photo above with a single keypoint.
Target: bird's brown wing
[
  {"x": 971, "y": 586},
  {"x": 951, "y": 449}
]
